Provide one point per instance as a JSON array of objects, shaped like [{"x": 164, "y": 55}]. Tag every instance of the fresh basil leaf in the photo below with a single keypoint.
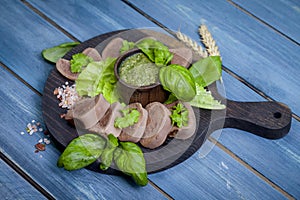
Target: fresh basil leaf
[
  {"x": 54, "y": 53},
  {"x": 130, "y": 160},
  {"x": 126, "y": 46},
  {"x": 179, "y": 115},
  {"x": 130, "y": 117},
  {"x": 96, "y": 78},
  {"x": 79, "y": 61},
  {"x": 207, "y": 70},
  {"x": 156, "y": 51},
  {"x": 107, "y": 155},
  {"x": 81, "y": 152},
  {"x": 179, "y": 81},
  {"x": 204, "y": 99}
]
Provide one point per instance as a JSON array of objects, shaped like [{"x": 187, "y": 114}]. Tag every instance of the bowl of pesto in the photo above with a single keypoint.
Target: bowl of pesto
[{"x": 138, "y": 78}]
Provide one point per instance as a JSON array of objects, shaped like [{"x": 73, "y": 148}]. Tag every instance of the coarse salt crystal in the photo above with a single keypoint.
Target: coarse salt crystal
[
  {"x": 31, "y": 132},
  {"x": 46, "y": 141}
]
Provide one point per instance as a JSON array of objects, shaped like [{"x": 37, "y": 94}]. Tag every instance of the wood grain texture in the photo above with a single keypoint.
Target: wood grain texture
[
  {"x": 250, "y": 49},
  {"x": 23, "y": 36},
  {"x": 278, "y": 160},
  {"x": 90, "y": 18},
  {"x": 19, "y": 106},
  {"x": 213, "y": 177},
  {"x": 13, "y": 186},
  {"x": 283, "y": 15}
]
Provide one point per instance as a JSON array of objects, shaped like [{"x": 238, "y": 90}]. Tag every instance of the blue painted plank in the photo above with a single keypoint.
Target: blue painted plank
[
  {"x": 91, "y": 17},
  {"x": 283, "y": 15},
  {"x": 23, "y": 36},
  {"x": 215, "y": 176},
  {"x": 13, "y": 186},
  {"x": 19, "y": 105},
  {"x": 261, "y": 56},
  {"x": 32, "y": 34},
  {"x": 278, "y": 160}
]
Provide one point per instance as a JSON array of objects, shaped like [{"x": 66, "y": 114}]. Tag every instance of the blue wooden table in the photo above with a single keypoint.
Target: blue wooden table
[{"x": 259, "y": 43}]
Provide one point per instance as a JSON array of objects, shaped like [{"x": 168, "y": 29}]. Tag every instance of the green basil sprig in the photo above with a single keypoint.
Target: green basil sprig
[
  {"x": 108, "y": 153},
  {"x": 54, "y": 53},
  {"x": 81, "y": 152},
  {"x": 179, "y": 81},
  {"x": 86, "y": 149},
  {"x": 156, "y": 51},
  {"x": 130, "y": 160}
]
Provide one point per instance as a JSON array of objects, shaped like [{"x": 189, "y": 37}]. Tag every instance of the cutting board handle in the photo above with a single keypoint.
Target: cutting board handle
[{"x": 270, "y": 120}]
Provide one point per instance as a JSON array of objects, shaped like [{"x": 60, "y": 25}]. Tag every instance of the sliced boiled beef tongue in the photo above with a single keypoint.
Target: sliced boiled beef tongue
[
  {"x": 88, "y": 111},
  {"x": 64, "y": 67},
  {"x": 106, "y": 125},
  {"x": 93, "y": 53},
  {"x": 158, "y": 125},
  {"x": 135, "y": 132},
  {"x": 186, "y": 132},
  {"x": 112, "y": 49}
]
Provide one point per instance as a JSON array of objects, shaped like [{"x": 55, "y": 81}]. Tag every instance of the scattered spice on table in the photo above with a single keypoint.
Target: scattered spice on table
[{"x": 35, "y": 127}]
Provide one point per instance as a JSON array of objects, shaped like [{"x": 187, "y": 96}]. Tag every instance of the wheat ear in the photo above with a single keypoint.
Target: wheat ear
[
  {"x": 190, "y": 43},
  {"x": 208, "y": 41}
]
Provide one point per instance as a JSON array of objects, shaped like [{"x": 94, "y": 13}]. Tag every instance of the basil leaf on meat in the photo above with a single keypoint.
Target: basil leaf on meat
[
  {"x": 179, "y": 81},
  {"x": 54, "y": 53},
  {"x": 179, "y": 115},
  {"x": 130, "y": 160},
  {"x": 156, "y": 51},
  {"x": 108, "y": 153},
  {"x": 126, "y": 46},
  {"x": 130, "y": 117},
  {"x": 81, "y": 152},
  {"x": 96, "y": 78},
  {"x": 207, "y": 70},
  {"x": 78, "y": 61}
]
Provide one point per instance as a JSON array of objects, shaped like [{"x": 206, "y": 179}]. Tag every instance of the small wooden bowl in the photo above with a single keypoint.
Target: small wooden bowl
[{"x": 142, "y": 94}]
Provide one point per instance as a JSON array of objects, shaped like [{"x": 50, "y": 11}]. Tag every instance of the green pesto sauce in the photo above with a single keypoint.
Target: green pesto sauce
[{"x": 138, "y": 70}]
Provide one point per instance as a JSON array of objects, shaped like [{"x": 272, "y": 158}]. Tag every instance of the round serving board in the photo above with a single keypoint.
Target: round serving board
[{"x": 271, "y": 119}]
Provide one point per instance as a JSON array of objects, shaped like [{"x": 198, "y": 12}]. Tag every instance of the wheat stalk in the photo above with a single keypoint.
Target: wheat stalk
[
  {"x": 208, "y": 41},
  {"x": 190, "y": 43}
]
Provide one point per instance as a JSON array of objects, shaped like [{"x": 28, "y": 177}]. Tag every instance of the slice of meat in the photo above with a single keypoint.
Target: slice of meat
[
  {"x": 106, "y": 125},
  {"x": 186, "y": 132},
  {"x": 88, "y": 111},
  {"x": 64, "y": 67},
  {"x": 93, "y": 53},
  {"x": 112, "y": 49},
  {"x": 158, "y": 125},
  {"x": 182, "y": 56},
  {"x": 135, "y": 132}
]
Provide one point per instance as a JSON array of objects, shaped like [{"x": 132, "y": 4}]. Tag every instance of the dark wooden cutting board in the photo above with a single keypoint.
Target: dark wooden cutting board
[{"x": 270, "y": 120}]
